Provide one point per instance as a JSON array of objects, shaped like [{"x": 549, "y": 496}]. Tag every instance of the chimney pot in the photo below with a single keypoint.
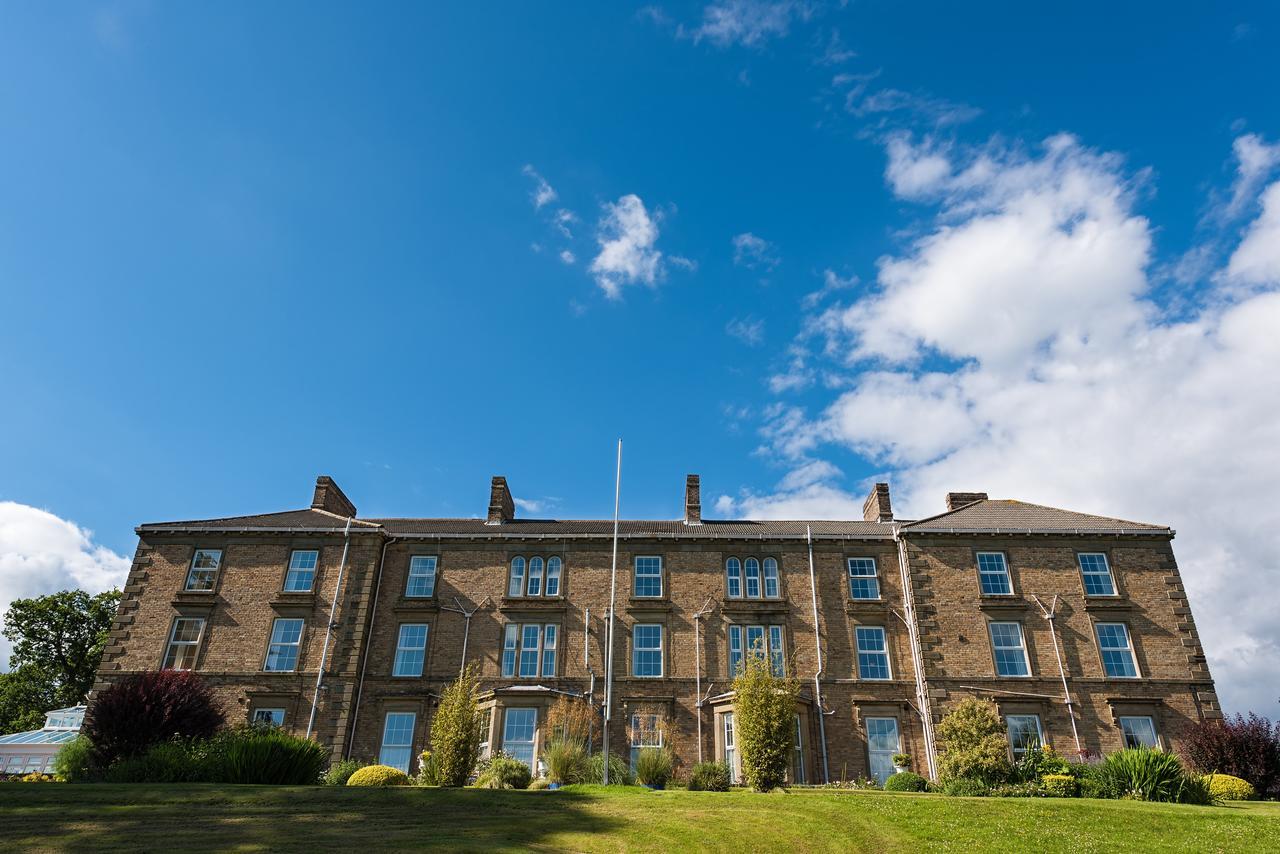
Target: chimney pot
[
  {"x": 693, "y": 500},
  {"x": 956, "y": 500},
  {"x": 877, "y": 507},
  {"x": 330, "y": 498},
  {"x": 501, "y": 507}
]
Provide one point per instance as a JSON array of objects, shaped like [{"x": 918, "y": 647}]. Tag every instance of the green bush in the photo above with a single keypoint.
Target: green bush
[
  {"x": 504, "y": 772},
  {"x": 456, "y": 731},
  {"x": 267, "y": 756},
  {"x": 905, "y": 781},
  {"x": 378, "y": 775},
  {"x": 165, "y": 762},
  {"x": 619, "y": 771},
  {"x": 710, "y": 777},
  {"x": 654, "y": 766},
  {"x": 566, "y": 761},
  {"x": 74, "y": 761},
  {"x": 1093, "y": 788},
  {"x": 764, "y": 722},
  {"x": 539, "y": 784},
  {"x": 973, "y": 742},
  {"x": 1060, "y": 786},
  {"x": 965, "y": 787},
  {"x": 1224, "y": 787},
  {"x": 342, "y": 771},
  {"x": 1038, "y": 761},
  {"x": 1146, "y": 774},
  {"x": 428, "y": 770},
  {"x": 1017, "y": 790}
]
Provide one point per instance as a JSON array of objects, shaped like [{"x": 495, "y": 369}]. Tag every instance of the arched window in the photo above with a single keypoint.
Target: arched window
[
  {"x": 516, "y": 585},
  {"x": 770, "y": 578},
  {"x": 553, "y": 576},
  {"x": 535, "y": 576},
  {"x": 753, "y": 578},
  {"x": 733, "y": 569}
]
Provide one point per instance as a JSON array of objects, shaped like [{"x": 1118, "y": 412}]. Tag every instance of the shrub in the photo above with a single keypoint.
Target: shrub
[
  {"x": 456, "y": 731},
  {"x": 619, "y": 771},
  {"x": 539, "y": 784},
  {"x": 37, "y": 777},
  {"x": 342, "y": 771},
  {"x": 1030, "y": 789},
  {"x": 1060, "y": 786},
  {"x": 905, "y": 781},
  {"x": 973, "y": 743},
  {"x": 1092, "y": 788},
  {"x": 1248, "y": 748},
  {"x": 571, "y": 719},
  {"x": 428, "y": 770},
  {"x": 965, "y": 787},
  {"x": 765, "y": 722},
  {"x": 74, "y": 761},
  {"x": 504, "y": 772},
  {"x": 266, "y": 756},
  {"x": 709, "y": 777},
  {"x": 1225, "y": 787},
  {"x": 1146, "y": 774},
  {"x": 654, "y": 766},
  {"x": 1038, "y": 761},
  {"x": 378, "y": 775},
  {"x": 144, "y": 709},
  {"x": 902, "y": 760},
  {"x": 566, "y": 761}
]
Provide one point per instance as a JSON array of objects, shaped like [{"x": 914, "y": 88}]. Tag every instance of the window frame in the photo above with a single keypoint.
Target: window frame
[
  {"x": 871, "y": 754},
  {"x": 402, "y": 649},
  {"x": 515, "y": 654},
  {"x": 733, "y": 577},
  {"x": 636, "y": 576},
  {"x": 432, "y": 577},
  {"x": 407, "y": 747},
  {"x": 738, "y": 644},
  {"x": 1124, "y": 734},
  {"x": 1129, "y": 646},
  {"x": 1008, "y": 573},
  {"x": 883, "y": 651},
  {"x": 533, "y": 739},
  {"x": 290, "y": 569},
  {"x": 1109, "y": 574},
  {"x": 740, "y": 577},
  {"x": 194, "y": 646},
  {"x": 874, "y": 577},
  {"x": 297, "y": 645},
  {"x": 1018, "y": 752},
  {"x": 636, "y": 649},
  {"x": 215, "y": 573},
  {"x": 1022, "y": 647},
  {"x": 257, "y": 710},
  {"x": 520, "y": 583}
]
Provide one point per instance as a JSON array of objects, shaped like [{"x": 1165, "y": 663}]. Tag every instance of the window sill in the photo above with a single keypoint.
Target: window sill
[
  {"x": 754, "y": 606},
  {"x": 642, "y": 605},
  {"x": 206, "y": 600},
  {"x": 532, "y": 603},
  {"x": 293, "y": 599}
]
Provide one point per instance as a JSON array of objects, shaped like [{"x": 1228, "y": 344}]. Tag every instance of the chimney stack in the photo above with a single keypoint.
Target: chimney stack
[
  {"x": 693, "y": 500},
  {"x": 877, "y": 507},
  {"x": 956, "y": 500},
  {"x": 501, "y": 507},
  {"x": 330, "y": 498}
]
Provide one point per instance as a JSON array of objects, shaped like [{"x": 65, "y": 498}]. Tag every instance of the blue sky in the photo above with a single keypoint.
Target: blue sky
[{"x": 246, "y": 244}]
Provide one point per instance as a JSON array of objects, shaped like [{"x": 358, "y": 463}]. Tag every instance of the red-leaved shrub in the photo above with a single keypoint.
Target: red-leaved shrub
[
  {"x": 145, "y": 708},
  {"x": 1248, "y": 748}
]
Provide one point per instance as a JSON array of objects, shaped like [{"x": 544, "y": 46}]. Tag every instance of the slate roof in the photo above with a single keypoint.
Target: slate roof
[{"x": 1015, "y": 517}]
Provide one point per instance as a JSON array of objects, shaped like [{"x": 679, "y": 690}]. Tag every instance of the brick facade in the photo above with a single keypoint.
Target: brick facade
[{"x": 363, "y": 565}]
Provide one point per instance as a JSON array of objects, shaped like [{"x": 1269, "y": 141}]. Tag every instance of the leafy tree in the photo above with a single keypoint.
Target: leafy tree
[
  {"x": 25, "y": 695},
  {"x": 456, "y": 730},
  {"x": 973, "y": 742},
  {"x": 1248, "y": 748},
  {"x": 62, "y": 635},
  {"x": 765, "y": 723}
]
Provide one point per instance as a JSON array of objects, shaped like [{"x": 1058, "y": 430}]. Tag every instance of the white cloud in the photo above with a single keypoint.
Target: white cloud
[
  {"x": 628, "y": 253},
  {"x": 41, "y": 553},
  {"x": 835, "y": 52},
  {"x": 1255, "y": 160},
  {"x": 748, "y": 330},
  {"x": 567, "y": 257},
  {"x": 1065, "y": 383},
  {"x": 747, "y": 22},
  {"x": 536, "y": 505},
  {"x": 754, "y": 253},
  {"x": 562, "y": 220},
  {"x": 881, "y": 103},
  {"x": 831, "y": 283},
  {"x": 542, "y": 193}
]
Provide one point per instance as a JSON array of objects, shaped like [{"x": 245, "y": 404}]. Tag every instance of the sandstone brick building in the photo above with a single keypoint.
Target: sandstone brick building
[{"x": 1077, "y": 626}]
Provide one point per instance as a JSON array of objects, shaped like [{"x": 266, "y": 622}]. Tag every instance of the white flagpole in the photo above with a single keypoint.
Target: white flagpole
[{"x": 613, "y": 590}]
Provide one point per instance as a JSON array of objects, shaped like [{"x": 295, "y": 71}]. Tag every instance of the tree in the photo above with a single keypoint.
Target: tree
[
  {"x": 25, "y": 695},
  {"x": 1248, "y": 748},
  {"x": 764, "y": 709},
  {"x": 141, "y": 709},
  {"x": 973, "y": 742},
  {"x": 62, "y": 635},
  {"x": 456, "y": 730}
]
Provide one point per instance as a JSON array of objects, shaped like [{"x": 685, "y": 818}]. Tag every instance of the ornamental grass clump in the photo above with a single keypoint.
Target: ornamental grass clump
[
  {"x": 1147, "y": 774},
  {"x": 504, "y": 772},
  {"x": 764, "y": 722},
  {"x": 457, "y": 731},
  {"x": 619, "y": 771},
  {"x": 267, "y": 756},
  {"x": 566, "y": 761},
  {"x": 654, "y": 766}
]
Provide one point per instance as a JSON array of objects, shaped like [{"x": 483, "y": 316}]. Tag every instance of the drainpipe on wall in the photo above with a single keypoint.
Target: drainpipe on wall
[
  {"x": 917, "y": 657},
  {"x": 368, "y": 642},
  {"x": 328, "y": 631},
  {"x": 1049, "y": 614},
  {"x": 697, "y": 657},
  {"x": 817, "y": 675}
]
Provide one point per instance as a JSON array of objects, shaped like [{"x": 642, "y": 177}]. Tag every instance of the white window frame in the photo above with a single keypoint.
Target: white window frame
[
  {"x": 1125, "y": 720},
  {"x": 772, "y": 578},
  {"x": 733, "y": 577},
  {"x": 273, "y": 644},
  {"x": 1002, "y": 572},
  {"x": 772, "y": 646},
  {"x": 883, "y": 652},
  {"x": 297, "y": 571},
  {"x": 516, "y": 651},
  {"x": 1016, "y": 751},
  {"x": 1104, "y": 573},
  {"x": 752, "y": 578},
  {"x": 267, "y": 715},
  {"x": 171, "y": 656},
  {"x": 403, "y": 652},
  {"x": 533, "y": 580},
  {"x": 637, "y": 575},
  {"x": 1128, "y": 647},
  {"x": 555, "y": 567},
  {"x": 1021, "y": 647},
  {"x": 515, "y": 577},
  {"x": 636, "y": 649},
  {"x": 884, "y": 755},
  {"x": 861, "y": 576},
  {"x": 642, "y": 737},
  {"x": 730, "y": 736},
  {"x": 397, "y": 746},
  {"x": 424, "y": 569},
  {"x": 533, "y": 737},
  {"x": 193, "y": 572},
  {"x": 797, "y": 768}
]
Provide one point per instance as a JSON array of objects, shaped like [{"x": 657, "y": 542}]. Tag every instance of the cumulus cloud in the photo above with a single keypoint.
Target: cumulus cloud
[
  {"x": 1255, "y": 160},
  {"x": 1015, "y": 346},
  {"x": 749, "y": 23},
  {"x": 628, "y": 253},
  {"x": 754, "y": 253},
  {"x": 42, "y": 553}
]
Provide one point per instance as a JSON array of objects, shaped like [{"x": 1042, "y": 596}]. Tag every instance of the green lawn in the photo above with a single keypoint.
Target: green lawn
[{"x": 592, "y": 818}]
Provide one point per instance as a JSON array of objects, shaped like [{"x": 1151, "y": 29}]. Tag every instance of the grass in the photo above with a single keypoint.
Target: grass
[{"x": 43, "y": 817}]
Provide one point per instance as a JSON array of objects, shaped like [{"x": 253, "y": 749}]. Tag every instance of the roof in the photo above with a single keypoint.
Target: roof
[
  {"x": 1018, "y": 517},
  {"x": 40, "y": 736}
]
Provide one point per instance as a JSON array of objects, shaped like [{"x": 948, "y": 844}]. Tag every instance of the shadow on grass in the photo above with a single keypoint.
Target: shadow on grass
[{"x": 100, "y": 817}]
